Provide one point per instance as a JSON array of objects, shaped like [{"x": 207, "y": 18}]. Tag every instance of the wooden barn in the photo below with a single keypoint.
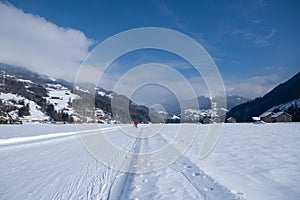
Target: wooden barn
[
  {"x": 281, "y": 117},
  {"x": 267, "y": 117}
]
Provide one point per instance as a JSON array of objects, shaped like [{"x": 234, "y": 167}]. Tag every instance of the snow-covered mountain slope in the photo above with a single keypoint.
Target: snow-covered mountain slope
[
  {"x": 285, "y": 106},
  {"x": 16, "y": 102},
  {"x": 61, "y": 97},
  {"x": 17, "y": 93},
  {"x": 40, "y": 161},
  {"x": 204, "y": 104},
  {"x": 26, "y": 96},
  {"x": 281, "y": 94},
  {"x": 55, "y": 99}
]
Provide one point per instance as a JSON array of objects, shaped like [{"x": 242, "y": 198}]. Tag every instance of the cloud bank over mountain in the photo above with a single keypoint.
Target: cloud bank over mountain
[{"x": 33, "y": 42}]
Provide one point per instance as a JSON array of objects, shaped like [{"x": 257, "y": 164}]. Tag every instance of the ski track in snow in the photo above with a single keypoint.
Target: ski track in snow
[
  {"x": 204, "y": 186},
  {"x": 120, "y": 188},
  {"x": 20, "y": 140},
  {"x": 198, "y": 184},
  {"x": 55, "y": 165}
]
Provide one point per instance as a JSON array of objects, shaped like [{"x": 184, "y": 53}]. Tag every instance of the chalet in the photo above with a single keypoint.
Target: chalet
[
  {"x": 207, "y": 120},
  {"x": 281, "y": 117},
  {"x": 231, "y": 120},
  {"x": 267, "y": 117}
]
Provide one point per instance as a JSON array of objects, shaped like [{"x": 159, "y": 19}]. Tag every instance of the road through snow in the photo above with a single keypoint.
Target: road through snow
[{"x": 55, "y": 165}]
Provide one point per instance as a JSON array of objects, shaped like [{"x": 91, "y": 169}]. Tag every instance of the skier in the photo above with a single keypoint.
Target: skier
[{"x": 136, "y": 122}]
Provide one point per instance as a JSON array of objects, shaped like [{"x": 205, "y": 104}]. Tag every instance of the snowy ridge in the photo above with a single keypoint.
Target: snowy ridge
[
  {"x": 285, "y": 106},
  {"x": 101, "y": 93}
]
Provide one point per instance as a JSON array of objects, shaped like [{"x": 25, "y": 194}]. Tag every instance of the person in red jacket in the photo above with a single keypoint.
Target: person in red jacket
[{"x": 136, "y": 122}]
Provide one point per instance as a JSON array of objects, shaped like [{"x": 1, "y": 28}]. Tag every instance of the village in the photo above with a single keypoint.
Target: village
[{"x": 268, "y": 117}]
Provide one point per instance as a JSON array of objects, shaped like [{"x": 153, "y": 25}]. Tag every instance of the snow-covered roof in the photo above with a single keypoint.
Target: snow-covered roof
[
  {"x": 265, "y": 114},
  {"x": 279, "y": 113},
  {"x": 175, "y": 117},
  {"x": 256, "y": 118}
]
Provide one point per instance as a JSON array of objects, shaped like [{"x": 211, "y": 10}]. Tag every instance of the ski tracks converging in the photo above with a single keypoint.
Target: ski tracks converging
[
  {"x": 148, "y": 186},
  {"x": 57, "y": 166}
]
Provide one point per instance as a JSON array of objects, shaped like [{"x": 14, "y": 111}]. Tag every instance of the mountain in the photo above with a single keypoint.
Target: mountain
[
  {"x": 29, "y": 96},
  {"x": 204, "y": 103},
  {"x": 282, "y": 94}
]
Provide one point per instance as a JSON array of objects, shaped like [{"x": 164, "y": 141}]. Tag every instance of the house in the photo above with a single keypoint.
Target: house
[
  {"x": 207, "y": 120},
  {"x": 231, "y": 120},
  {"x": 281, "y": 117},
  {"x": 4, "y": 120},
  {"x": 267, "y": 117},
  {"x": 217, "y": 120}
]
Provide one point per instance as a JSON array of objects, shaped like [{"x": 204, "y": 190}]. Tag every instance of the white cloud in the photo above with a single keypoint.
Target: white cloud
[
  {"x": 254, "y": 86},
  {"x": 161, "y": 81},
  {"x": 256, "y": 39},
  {"x": 33, "y": 42}
]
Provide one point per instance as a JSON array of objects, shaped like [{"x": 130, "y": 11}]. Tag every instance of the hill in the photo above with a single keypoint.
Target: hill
[
  {"x": 282, "y": 94},
  {"x": 29, "y": 96}
]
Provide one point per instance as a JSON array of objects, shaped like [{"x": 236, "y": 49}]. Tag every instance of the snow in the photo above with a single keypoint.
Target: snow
[
  {"x": 285, "y": 106},
  {"x": 256, "y": 118},
  {"x": 195, "y": 113},
  {"x": 60, "y": 96},
  {"x": 101, "y": 93},
  {"x": 224, "y": 109},
  {"x": 25, "y": 81},
  {"x": 35, "y": 112},
  {"x": 265, "y": 114},
  {"x": 80, "y": 89},
  {"x": 10, "y": 96},
  {"x": 260, "y": 160},
  {"x": 175, "y": 117},
  {"x": 52, "y": 79},
  {"x": 277, "y": 114},
  {"x": 251, "y": 161}
]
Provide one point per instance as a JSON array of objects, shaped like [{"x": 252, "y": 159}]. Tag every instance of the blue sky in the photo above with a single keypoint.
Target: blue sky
[{"x": 254, "y": 43}]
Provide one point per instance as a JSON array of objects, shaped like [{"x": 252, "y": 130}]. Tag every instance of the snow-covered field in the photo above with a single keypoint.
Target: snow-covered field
[{"x": 250, "y": 161}]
